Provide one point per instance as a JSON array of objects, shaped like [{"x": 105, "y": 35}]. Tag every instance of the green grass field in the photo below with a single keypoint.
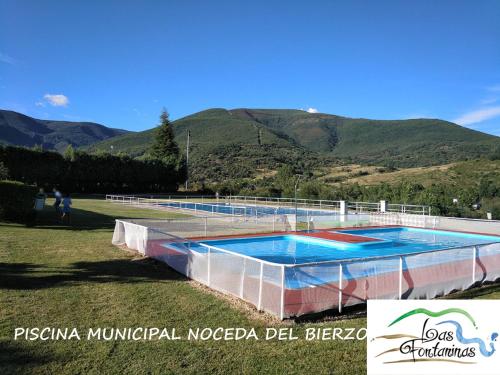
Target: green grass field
[{"x": 57, "y": 276}]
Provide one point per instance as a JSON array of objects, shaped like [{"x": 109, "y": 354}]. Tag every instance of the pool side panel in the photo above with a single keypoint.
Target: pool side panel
[
  {"x": 423, "y": 282},
  {"x": 427, "y": 281}
]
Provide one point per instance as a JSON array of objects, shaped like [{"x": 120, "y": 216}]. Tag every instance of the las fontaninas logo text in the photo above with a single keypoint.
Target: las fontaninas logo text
[
  {"x": 433, "y": 337},
  {"x": 438, "y": 339}
]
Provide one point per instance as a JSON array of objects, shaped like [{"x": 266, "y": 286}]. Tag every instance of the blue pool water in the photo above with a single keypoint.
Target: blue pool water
[
  {"x": 296, "y": 249},
  {"x": 223, "y": 208}
]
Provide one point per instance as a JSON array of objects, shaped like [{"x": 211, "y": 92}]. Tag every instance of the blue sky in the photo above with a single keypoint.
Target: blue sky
[{"x": 119, "y": 62}]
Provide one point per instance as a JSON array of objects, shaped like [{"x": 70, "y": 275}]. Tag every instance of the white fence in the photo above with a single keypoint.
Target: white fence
[
  {"x": 195, "y": 203},
  {"x": 321, "y": 204},
  {"x": 288, "y": 290}
]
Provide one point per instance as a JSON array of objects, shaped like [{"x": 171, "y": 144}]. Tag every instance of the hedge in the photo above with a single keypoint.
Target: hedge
[
  {"x": 89, "y": 173},
  {"x": 17, "y": 201}
]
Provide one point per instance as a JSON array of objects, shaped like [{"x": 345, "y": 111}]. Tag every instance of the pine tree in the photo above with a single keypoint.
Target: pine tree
[{"x": 164, "y": 146}]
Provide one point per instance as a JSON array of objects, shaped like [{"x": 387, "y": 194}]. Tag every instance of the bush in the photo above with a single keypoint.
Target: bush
[
  {"x": 17, "y": 201},
  {"x": 4, "y": 172}
]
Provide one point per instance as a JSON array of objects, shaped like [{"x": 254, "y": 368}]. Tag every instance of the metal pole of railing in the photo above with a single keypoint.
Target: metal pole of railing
[
  {"x": 400, "y": 277},
  {"x": 274, "y": 221},
  {"x": 208, "y": 266},
  {"x": 474, "y": 256},
  {"x": 242, "y": 282},
  {"x": 282, "y": 309},
  {"x": 340, "y": 288},
  {"x": 259, "y": 303}
]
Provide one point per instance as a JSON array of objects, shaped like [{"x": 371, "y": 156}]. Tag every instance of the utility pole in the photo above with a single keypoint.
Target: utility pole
[
  {"x": 298, "y": 177},
  {"x": 187, "y": 158}
]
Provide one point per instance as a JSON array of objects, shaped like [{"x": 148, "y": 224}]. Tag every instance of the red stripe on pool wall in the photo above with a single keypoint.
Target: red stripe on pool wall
[
  {"x": 348, "y": 237},
  {"x": 342, "y": 237}
]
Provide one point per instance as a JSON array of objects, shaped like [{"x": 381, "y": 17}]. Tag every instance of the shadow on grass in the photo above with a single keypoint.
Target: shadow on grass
[
  {"x": 348, "y": 313},
  {"x": 26, "y": 276},
  {"x": 476, "y": 291},
  {"x": 13, "y": 358},
  {"x": 80, "y": 220}
]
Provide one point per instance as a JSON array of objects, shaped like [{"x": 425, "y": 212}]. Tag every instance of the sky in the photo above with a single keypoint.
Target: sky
[{"x": 120, "y": 62}]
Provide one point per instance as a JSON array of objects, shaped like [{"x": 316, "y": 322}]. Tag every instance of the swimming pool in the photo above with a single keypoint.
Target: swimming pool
[
  {"x": 294, "y": 273},
  {"x": 246, "y": 210},
  {"x": 300, "y": 249}
]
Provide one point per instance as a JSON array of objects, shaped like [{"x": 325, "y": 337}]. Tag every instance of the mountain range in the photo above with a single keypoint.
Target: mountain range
[
  {"x": 21, "y": 130},
  {"x": 405, "y": 142},
  {"x": 234, "y": 143}
]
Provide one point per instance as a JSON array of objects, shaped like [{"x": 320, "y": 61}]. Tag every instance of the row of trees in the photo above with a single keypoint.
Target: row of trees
[
  {"x": 440, "y": 196},
  {"x": 89, "y": 173},
  {"x": 163, "y": 170}
]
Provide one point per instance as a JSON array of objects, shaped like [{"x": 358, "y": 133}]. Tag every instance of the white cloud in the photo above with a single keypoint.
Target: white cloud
[
  {"x": 494, "y": 88},
  {"x": 7, "y": 59},
  {"x": 487, "y": 101},
  {"x": 40, "y": 104},
  {"x": 56, "y": 100},
  {"x": 478, "y": 115},
  {"x": 312, "y": 110}
]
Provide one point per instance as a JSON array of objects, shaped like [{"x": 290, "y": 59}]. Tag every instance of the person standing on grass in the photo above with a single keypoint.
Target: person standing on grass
[
  {"x": 66, "y": 211},
  {"x": 57, "y": 203}
]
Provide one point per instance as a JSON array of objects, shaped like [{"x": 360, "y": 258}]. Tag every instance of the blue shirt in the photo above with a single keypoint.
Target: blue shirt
[{"x": 67, "y": 203}]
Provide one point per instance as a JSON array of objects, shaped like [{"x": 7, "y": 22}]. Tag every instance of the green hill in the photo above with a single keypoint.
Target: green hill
[
  {"x": 21, "y": 130},
  {"x": 237, "y": 142},
  {"x": 243, "y": 142}
]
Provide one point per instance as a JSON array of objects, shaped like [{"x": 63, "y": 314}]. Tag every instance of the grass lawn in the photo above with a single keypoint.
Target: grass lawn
[
  {"x": 53, "y": 276},
  {"x": 57, "y": 276}
]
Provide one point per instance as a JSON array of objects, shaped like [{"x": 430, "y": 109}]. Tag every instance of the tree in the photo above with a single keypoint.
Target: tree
[
  {"x": 495, "y": 154},
  {"x": 69, "y": 153},
  {"x": 4, "y": 172},
  {"x": 164, "y": 146},
  {"x": 285, "y": 180}
]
